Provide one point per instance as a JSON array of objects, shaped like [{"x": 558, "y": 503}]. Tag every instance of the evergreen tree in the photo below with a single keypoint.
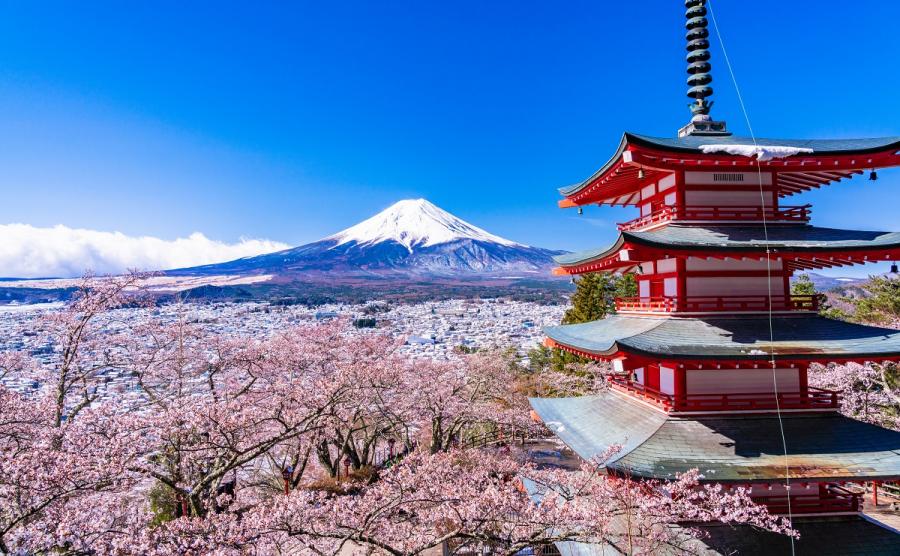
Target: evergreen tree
[
  {"x": 595, "y": 295},
  {"x": 803, "y": 286},
  {"x": 881, "y": 305},
  {"x": 594, "y": 299}
]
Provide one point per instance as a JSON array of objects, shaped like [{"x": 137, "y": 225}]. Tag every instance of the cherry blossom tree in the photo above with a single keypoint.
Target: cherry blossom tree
[
  {"x": 869, "y": 392},
  {"x": 474, "y": 500},
  {"x": 225, "y": 445}
]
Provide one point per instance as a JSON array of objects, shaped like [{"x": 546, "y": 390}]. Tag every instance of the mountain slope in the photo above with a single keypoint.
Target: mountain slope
[{"x": 411, "y": 238}]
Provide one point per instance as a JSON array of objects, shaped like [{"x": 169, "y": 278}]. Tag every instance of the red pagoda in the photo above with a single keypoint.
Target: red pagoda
[{"x": 710, "y": 358}]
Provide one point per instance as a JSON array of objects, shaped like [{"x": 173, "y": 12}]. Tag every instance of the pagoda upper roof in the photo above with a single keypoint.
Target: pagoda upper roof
[
  {"x": 717, "y": 337},
  {"x": 725, "y": 449},
  {"x": 736, "y": 238},
  {"x": 620, "y": 175}
]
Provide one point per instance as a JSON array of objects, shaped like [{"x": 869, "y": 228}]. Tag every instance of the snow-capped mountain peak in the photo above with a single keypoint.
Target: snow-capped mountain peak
[{"x": 414, "y": 223}]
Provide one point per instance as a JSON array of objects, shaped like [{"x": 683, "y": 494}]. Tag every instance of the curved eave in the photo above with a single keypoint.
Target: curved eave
[
  {"x": 570, "y": 190},
  {"x": 582, "y": 257}
]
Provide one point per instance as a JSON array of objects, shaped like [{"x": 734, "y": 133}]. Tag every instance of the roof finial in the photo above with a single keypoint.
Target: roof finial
[
  {"x": 699, "y": 76},
  {"x": 698, "y": 67}
]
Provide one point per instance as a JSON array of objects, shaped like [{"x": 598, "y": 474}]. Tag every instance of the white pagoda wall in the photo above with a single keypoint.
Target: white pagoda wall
[
  {"x": 732, "y": 285},
  {"x": 695, "y": 198},
  {"x": 725, "y": 381},
  {"x": 665, "y": 187},
  {"x": 727, "y": 197},
  {"x": 666, "y": 380}
]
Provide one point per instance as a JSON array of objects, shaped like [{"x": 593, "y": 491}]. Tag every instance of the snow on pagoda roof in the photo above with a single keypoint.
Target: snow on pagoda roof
[
  {"x": 810, "y": 337},
  {"x": 793, "y": 238},
  {"x": 735, "y": 449}
]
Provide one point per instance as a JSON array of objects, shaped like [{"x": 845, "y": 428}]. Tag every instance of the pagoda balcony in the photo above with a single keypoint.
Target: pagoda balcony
[
  {"x": 780, "y": 215},
  {"x": 835, "y": 499},
  {"x": 715, "y": 304},
  {"x": 813, "y": 398}
]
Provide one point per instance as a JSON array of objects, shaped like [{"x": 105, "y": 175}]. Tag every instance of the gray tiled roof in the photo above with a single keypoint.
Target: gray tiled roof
[
  {"x": 692, "y": 143},
  {"x": 748, "y": 448},
  {"x": 795, "y": 238},
  {"x": 819, "y": 536},
  {"x": 736, "y": 449},
  {"x": 574, "y": 421},
  {"x": 745, "y": 337}
]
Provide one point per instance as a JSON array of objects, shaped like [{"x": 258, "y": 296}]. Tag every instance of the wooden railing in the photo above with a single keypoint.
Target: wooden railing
[
  {"x": 792, "y": 214},
  {"x": 732, "y": 303},
  {"x": 812, "y": 398},
  {"x": 835, "y": 499}
]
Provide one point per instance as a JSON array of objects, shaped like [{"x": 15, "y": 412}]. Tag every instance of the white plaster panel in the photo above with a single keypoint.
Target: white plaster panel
[
  {"x": 695, "y": 263},
  {"x": 665, "y": 265},
  {"x": 648, "y": 191},
  {"x": 644, "y": 288},
  {"x": 726, "y": 381},
  {"x": 733, "y": 285},
  {"x": 670, "y": 287},
  {"x": 667, "y": 182},
  {"x": 725, "y": 198},
  {"x": 666, "y": 380}
]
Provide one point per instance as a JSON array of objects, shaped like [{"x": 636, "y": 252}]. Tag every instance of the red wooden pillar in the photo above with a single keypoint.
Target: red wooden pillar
[
  {"x": 679, "y": 195},
  {"x": 803, "y": 377},
  {"x": 681, "y": 283},
  {"x": 680, "y": 386}
]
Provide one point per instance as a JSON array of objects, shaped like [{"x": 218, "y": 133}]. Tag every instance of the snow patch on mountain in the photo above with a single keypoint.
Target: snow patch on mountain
[{"x": 414, "y": 223}]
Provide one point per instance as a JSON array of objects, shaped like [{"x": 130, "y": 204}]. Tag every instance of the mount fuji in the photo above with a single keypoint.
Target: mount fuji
[{"x": 411, "y": 239}]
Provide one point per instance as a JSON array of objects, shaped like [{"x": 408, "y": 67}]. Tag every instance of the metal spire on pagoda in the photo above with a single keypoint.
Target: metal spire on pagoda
[{"x": 699, "y": 76}]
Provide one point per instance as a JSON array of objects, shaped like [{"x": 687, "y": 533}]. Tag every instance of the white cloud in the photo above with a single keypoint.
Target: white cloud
[{"x": 30, "y": 252}]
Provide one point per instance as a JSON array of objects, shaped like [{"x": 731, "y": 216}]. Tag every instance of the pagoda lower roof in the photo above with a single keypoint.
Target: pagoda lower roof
[
  {"x": 796, "y": 337},
  {"x": 725, "y": 449},
  {"x": 741, "y": 239},
  {"x": 847, "y": 535}
]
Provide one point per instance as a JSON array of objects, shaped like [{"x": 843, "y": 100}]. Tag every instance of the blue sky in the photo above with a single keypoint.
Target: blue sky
[{"x": 289, "y": 121}]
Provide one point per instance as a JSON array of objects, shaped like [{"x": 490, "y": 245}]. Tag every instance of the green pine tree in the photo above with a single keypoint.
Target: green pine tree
[
  {"x": 802, "y": 285},
  {"x": 881, "y": 304},
  {"x": 595, "y": 295},
  {"x": 594, "y": 299}
]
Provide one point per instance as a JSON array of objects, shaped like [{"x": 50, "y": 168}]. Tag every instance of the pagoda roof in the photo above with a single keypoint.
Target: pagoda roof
[
  {"x": 792, "y": 238},
  {"x": 620, "y": 173},
  {"x": 846, "y": 535},
  {"x": 692, "y": 143},
  {"x": 725, "y": 449},
  {"x": 801, "y": 336}
]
